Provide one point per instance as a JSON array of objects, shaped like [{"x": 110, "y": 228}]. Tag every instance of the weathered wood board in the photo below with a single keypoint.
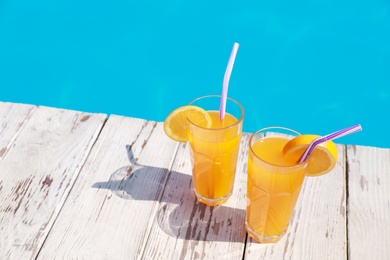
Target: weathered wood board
[
  {"x": 368, "y": 202},
  {"x": 110, "y": 210},
  {"x": 37, "y": 174},
  {"x": 12, "y": 118},
  {"x": 75, "y": 185}
]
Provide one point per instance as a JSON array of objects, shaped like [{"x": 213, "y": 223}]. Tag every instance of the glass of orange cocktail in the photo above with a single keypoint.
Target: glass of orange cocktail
[
  {"x": 274, "y": 183},
  {"x": 214, "y": 149},
  {"x": 278, "y": 161}
]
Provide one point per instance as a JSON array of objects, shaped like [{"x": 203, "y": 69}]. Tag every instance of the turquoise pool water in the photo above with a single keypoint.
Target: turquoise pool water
[{"x": 315, "y": 67}]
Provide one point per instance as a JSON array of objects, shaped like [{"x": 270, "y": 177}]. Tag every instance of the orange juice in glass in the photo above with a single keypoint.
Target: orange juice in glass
[
  {"x": 214, "y": 150},
  {"x": 274, "y": 183}
]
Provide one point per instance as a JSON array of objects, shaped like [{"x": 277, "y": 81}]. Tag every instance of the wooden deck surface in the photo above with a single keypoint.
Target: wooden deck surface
[{"x": 77, "y": 185}]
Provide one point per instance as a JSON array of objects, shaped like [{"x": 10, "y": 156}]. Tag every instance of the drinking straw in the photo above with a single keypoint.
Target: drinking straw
[
  {"x": 229, "y": 68},
  {"x": 332, "y": 136}
]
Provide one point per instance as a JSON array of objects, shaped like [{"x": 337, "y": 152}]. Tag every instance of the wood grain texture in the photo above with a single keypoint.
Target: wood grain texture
[
  {"x": 75, "y": 186},
  {"x": 12, "y": 118},
  {"x": 369, "y": 202},
  {"x": 318, "y": 227},
  {"x": 110, "y": 210},
  {"x": 186, "y": 229},
  {"x": 37, "y": 174}
]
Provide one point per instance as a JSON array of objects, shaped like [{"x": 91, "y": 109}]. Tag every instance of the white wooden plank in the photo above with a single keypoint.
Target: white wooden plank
[
  {"x": 37, "y": 174},
  {"x": 368, "y": 202},
  {"x": 12, "y": 118},
  {"x": 108, "y": 215},
  {"x": 318, "y": 227},
  {"x": 186, "y": 229}
]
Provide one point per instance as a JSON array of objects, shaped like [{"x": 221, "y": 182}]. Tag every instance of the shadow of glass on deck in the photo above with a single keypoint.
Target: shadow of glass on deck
[{"x": 179, "y": 215}]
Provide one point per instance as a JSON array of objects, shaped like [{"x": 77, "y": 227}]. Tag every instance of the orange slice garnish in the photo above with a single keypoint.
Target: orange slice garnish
[
  {"x": 176, "y": 123},
  {"x": 321, "y": 161}
]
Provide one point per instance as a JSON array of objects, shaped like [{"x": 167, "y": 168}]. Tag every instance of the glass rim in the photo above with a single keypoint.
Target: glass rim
[
  {"x": 272, "y": 164},
  {"x": 239, "y": 121}
]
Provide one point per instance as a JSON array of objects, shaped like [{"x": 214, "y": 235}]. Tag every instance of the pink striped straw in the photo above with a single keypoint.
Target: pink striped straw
[
  {"x": 332, "y": 136},
  {"x": 229, "y": 68}
]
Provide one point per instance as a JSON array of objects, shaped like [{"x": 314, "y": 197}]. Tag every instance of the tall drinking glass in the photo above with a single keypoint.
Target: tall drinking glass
[
  {"x": 214, "y": 150},
  {"x": 274, "y": 183}
]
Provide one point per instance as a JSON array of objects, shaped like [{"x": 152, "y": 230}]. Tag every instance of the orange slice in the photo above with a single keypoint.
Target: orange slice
[
  {"x": 321, "y": 161},
  {"x": 176, "y": 123}
]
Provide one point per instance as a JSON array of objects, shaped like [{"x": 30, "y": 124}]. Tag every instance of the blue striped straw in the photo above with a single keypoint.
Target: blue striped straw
[
  {"x": 332, "y": 136},
  {"x": 229, "y": 68}
]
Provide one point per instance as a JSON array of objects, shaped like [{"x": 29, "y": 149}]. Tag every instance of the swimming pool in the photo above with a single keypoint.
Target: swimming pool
[{"x": 315, "y": 67}]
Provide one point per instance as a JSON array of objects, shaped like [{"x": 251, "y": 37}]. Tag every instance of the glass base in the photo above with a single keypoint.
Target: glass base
[
  {"x": 212, "y": 202},
  {"x": 263, "y": 239}
]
